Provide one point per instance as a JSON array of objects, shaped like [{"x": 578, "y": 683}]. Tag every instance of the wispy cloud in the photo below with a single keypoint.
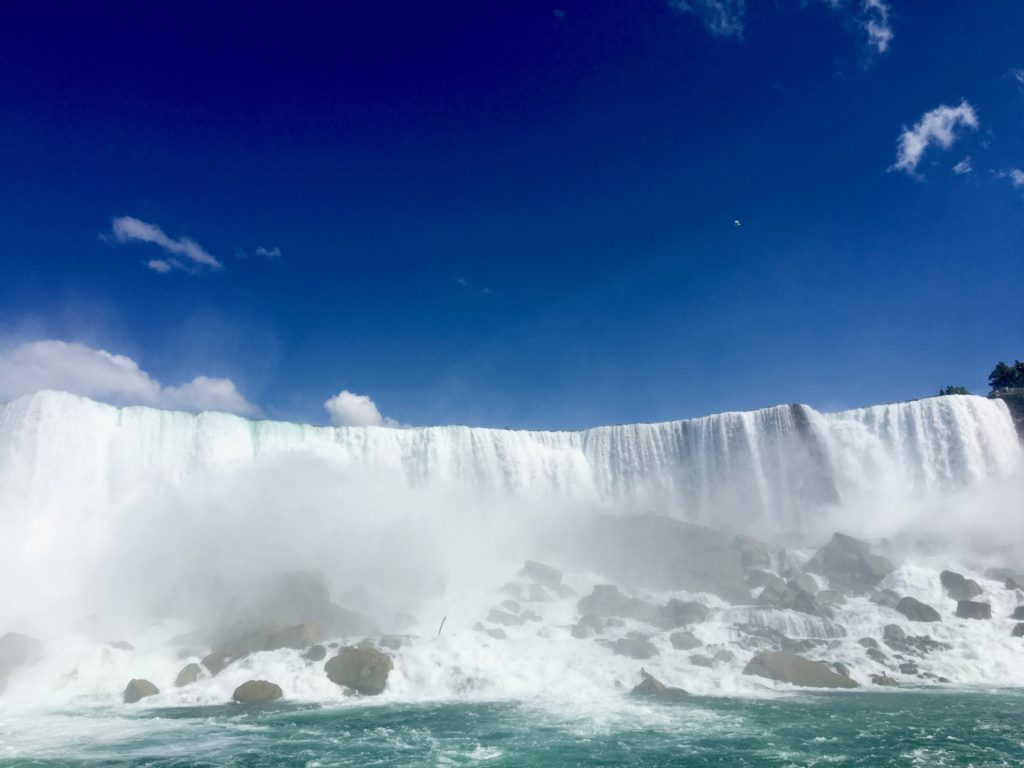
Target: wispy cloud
[
  {"x": 964, "y": 166},
  {"x": 1015, "y": 175},
  {"x": 722, "y": 18},
  {"x": 875, "y": 21},
  {"x": 939, "y": 127},
  {"x": 269, "y": 253},
  {"x": 347, "y": 409},
  {"x": 101, "y": 375},
  {"x": 185, "y": 253}
]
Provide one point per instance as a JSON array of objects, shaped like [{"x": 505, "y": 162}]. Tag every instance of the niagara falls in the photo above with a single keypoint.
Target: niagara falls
[{"x": 523, "y": 385}]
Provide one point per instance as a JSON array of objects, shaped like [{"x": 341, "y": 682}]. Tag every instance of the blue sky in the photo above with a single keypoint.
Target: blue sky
[{"x": 511, "y": 214}]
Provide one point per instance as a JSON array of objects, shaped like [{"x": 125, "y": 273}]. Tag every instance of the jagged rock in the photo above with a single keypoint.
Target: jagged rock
[
  {"x": 774, "y": 639},
  {"x": 188, "y": 675},
  {"x": 725, "y": 655},
  {"x": 841, "y": 668},
  {"x": 892, "y": 633},
  {"x": 1018, "y": 630},
  {"x": 606, "y": 600},
  {"x": 660, "y": 553},
  {"x": 792, "y": 597},
  {"x": 877, "y": 656},
  {"x": 315, "y": 653},
  {"x": 869, "y": 642},
  {"x": 754, "y": 554},
  {"x": 680, "y": 613},
  {"x": 919, "y": 645},
  {"x": 885, "y": 597},
  {"x": 298, "y": 636},
  {"x": 969, "y": 609},
  {"x": 510, "y": 605},
  {"x": 1018, "y": 613},
  {"x": 504, "y": 618},
  {"x": 915, "y": 610},
  {"x": 1011, "y": 583},
  {"x": 257, "y": 692},
  {"x": 684, "y": 641},
  {"x": 364, "y": 670},
  {"x": 789, "y": 668},
  {"x": 699, "y": 660},
  {"x": 803, "y": 582},
  {"x": 634, "y": 647},
  {"x": 138, "y": 689},
  {"x": 651, "y": 687},
  {"x": 121, "y": 645},
  {"x": 849, "y": 564},
  {"x": 757, "y": 579},
  {"x": 17, "y": 650},
  {"x": 542, "y": 574},
  {"x": 884, "y": 680},
  {"x": 958, "y": 587},
  {"x": 908, "y": 668}
]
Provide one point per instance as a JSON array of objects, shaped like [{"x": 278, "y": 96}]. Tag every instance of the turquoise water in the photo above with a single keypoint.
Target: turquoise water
[{"x": 862, "y": 729}]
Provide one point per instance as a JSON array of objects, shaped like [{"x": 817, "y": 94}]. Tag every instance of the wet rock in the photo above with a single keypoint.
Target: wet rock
[
  {"x": 16, "y": 651},
  {"x": 535, "y": 593},
  {"x": 496, "y": 634},
  {"x": 1018, "y": 630},
  {"x": 121, "y": 645},
  {"x": 757, "y": 579},
  {"x": 315, "y": 653},
  {"x": 869, "y": 642},
  {"x": 725, "y": 656},
  {"x": 849, "y": 564},
  {"x": 969, "y": 609},
  {"x": 257, "y": 692},
  {"x": 699, "y": 660},
  {"x": 893, "y": 634},
  {"x": 390, "y": 642},
  {"x": 791, "y": 597},
  {"x": 606, "y": 600},
  {"x": 958, "y": 587},
  {"x": 883, "y": 680},
  {"x": 614, "y": 623},
  {"x": 364, "y": 670},
  {"x": 297, "y": 637},
  {"x": 651, "y": 687},
  {"x": 915, "y": 610},
  {"x": 684, "y": 641},
  {"x": 877, "y": 656},
  {"x": 544, "y": 575},
  {"x": 188, "y": 675},
  {"x": 908, "y": 668},
  {"x": 754, "y": 554},
  {"x": 884, "y": 597},
  {"x": 681, "y": 613},
  {"x": 592, "y": 622},
  {"x": 841, "y": 668},
  {"x": 138, "y": 689},
  {"x": 831, "y": 597},
  {"x": 790, "y": 668},
  {"x": 530, "y": 616},
  {"x": 803, "y": 582},
  {"x": 758, "y": 636},
  {"x": 504, "y": 618},
  {"x": 581, "y": 632},
  {"x": 509, "y": 605},
  {"x": 1018, "y": 613},
  {"x": 634, "y": 648}
]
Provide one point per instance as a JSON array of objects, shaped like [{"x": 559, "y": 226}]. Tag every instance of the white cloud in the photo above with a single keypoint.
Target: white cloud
[
  {"x": 1017, "y": 74},
  {"x": 875, "y": 21},
  {"x": 964, "y": 166},
  {"x": 723, "y": 18},
  {"x": 269, "y": 253},
  {"x": 935, "y": 128},
  {"x": 127, "y": 229},
  {"x": 1015, "y": 175},
  {"x": 347, "y": 409},
  {"x": 101, "y": 375}
]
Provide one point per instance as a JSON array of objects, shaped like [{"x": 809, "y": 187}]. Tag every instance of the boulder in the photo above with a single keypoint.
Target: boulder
[
  {"x": 390, "y": 642},
  {"x": 754, "y": 554},
  {"x": 1018, "y": 630},
  {"x": 121, "y": 645},
  {"x": 841, "y": 668},
  {"x": 364, "y": 670},
  {"x": 803, "y": 582},
  {"x": 315, "y": 653},
  {"x": 849, "y": 564},
  {"x": 884, "y": 597},
  {"x": 700, "y": 660},
  {"x": 298, "y": 636},
  {"x": 791, "y": 596},
  {"x": 504, "y": 618},
  {"x": 606, "y": 600},
  {"x": 684, "y": 641},
  {"x": 909, "y": 668},
  {"x": 681, "y": 613},
  {"x": 760, "y": 637},
  {"x": 581, "y": 632},
  {"x": 1018, "y": 613},
  {"x": 17, "y": 650},
  {"x": 257, "y": 692},
  {"x": 869, "y": 642},
  {"x": 651, "y": 687},
  {"x": 593, "y": 622},
  {"x": 138, "y": 689},
  {"x": 915, "y": 610},
  {"x": 892, "y": 633},
  {"x": 790, "y": 668},
  {"x": 510, "y": 605},
  {"x": 634, "y": 647},
  {"x": 725, "y": 655},
  {"x": 544, "y": 575},
  {"x": 877, "y": 656},
  {"x": 883, "y": 680},
  {"x": 958, "y": 587},
  {"x": 757, "y": 579},
  {"x": 496, "y": 634},
  {"x": 188, "y": 675},
  {"x": 831, "y": 597},
  {"x": 969, "y": 609}
]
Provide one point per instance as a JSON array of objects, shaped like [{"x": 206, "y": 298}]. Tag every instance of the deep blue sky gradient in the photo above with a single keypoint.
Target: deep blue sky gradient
[{"x": 579, "y": 172}]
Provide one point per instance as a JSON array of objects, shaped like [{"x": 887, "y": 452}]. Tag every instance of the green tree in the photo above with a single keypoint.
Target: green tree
[
  {"x": 1005, "y": 376},
  {"x": 954, "y": 391}
]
